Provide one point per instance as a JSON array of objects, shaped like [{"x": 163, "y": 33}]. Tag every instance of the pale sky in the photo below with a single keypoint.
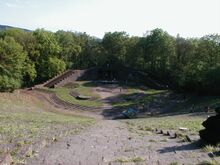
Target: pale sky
[{"x": 189, "y": 18}]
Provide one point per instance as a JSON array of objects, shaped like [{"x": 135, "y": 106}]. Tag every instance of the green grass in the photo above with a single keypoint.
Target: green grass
[
  {"x": 64, "y": 94},
  {"x": 210, "y": 148},
  {"x": 127, "y": 160},
  {"x": 21, "y": 123},
  {"x": 199, "y": 102},
  {"x": 25, "y": 120},
  {"x": 163, "y": 98},
  {"x": 86, "y": 90},
  {"x": 167, "y": 123},
  {"x": 149, "y": 96},
  {"x": 174, "y": 163}
]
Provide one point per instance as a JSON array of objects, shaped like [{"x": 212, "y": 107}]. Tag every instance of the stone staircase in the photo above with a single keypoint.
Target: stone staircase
[
  {"x": 64, "y": 78},
  {"x": 57, "y": 79}
]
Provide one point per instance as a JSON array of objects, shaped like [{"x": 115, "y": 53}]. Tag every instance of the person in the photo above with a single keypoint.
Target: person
[
  {"x": 206, "y": 109},
  {"x": 192, "y": 110}
]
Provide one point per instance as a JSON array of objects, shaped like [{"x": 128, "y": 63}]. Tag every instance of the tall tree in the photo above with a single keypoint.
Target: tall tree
[
  {"x": 12, "y": 61},
  {"x": 115, "y": 45},
  {"x": 48, "y": 47},
  {"x": 159, "y": 52}
]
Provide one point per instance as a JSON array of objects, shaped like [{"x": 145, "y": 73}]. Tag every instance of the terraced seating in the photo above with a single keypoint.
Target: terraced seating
[
  {"x": 71, "y": 106},
  {"x": 54, "y": 81}
]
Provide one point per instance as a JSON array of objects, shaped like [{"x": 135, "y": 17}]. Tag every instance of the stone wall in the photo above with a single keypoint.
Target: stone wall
[{"x": 71, "y": 76}]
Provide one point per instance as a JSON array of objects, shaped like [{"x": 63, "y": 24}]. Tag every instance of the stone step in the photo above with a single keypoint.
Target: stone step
[{"x": 58, "y": 101}]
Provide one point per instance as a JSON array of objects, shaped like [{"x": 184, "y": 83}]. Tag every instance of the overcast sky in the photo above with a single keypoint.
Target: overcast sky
[{"x": 189, "y": 18}]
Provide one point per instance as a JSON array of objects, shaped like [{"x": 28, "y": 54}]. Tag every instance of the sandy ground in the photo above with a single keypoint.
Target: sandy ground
[{"x": 109, "y": 142}]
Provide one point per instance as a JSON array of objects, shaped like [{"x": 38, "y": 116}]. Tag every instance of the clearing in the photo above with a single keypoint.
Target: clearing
[{"x": 53, "y": 119}]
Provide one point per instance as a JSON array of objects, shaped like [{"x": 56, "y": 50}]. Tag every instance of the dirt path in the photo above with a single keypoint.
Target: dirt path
[
  {"x": 106, "y": 92},
  {"x": 110, "y": 142}
]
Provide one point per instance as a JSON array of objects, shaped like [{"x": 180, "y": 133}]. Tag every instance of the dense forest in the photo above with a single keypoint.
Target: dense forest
[{"x": 28, "y": 58}]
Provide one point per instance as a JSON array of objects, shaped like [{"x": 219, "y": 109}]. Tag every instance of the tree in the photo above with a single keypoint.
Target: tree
[
  {"x": 12, "y": 61},
  {"x": 135, "y": 53},
  {"x": 28, "y": 42},
  {"x": 70, "y": 48},
  {"x": 53, "y": 67},
  {"x": 48, "y": 48},
  {"x": 115, "y": 45},
  {"x": 159, "y": 51}
]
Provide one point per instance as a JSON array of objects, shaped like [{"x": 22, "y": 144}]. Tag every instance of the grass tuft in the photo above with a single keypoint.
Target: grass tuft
[{"x": 127, "y": 160}]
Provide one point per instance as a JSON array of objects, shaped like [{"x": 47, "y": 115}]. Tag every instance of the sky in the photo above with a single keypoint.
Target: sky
[{"x": 189, "y": 18}]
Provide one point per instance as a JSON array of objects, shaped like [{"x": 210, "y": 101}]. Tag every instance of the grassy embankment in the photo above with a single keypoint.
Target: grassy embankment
[
  {"x": 177, "y": 107},
  {"x": 177, "y": 102},
  {"x": 64, "y": 94},
  {"x": 130, "y": 99},
  {"x": 25, "y": 120},
  {"x": 193, "y": 123}
]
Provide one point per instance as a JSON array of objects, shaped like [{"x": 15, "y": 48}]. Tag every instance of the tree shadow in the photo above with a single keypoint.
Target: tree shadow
[
  {"x": 123, "y": 102},
  {"x": 185, "y": 147},
  {"x": 122, "y": 84},
  {"x": 133, "y": 100},
  {"x": 160, "y": 104},
  {"x": 90, "y": 84}
]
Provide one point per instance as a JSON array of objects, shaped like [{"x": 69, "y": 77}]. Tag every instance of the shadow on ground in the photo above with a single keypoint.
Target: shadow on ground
[
  {"x": 185, "y": 147},
  {"x": 149, "y": 102}
]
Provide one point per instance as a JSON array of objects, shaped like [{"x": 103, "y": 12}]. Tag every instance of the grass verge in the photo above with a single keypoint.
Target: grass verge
[
  {"x": 64, "y": 94},
  {"x": 193, "y": 123}
]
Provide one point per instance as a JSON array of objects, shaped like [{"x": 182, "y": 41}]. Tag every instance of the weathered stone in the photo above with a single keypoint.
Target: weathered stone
[
  {"x": 82, "y": 97},
  {"x": 175, "y": 135},
  {"x": 165, "y": 132},
  {"x": 183, "y": 129},
  {"x": 171, "y": 134},
  {"x": 188, "y": 138},
  {"x": 192, "y": 138},
  {"x": 160, "y": 131}
]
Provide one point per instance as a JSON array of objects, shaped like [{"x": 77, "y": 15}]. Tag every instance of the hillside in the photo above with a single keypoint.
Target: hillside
[{"x": 5, "y": 27}]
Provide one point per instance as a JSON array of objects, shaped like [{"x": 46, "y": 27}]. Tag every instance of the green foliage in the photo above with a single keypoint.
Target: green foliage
[
  {"x": 115, "y": 46},
  {"x": 48, "y": 48},
  {"x": 53, "y": 66},
  {"x": 8, "y": 83},
  {"x": 12, "y": 60},
  {"x": 70, "y": 48},
  {"x": 46, "y": 44},
  {"x": 159, "y": 49},
  {"x": 189, "y": 64}
]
